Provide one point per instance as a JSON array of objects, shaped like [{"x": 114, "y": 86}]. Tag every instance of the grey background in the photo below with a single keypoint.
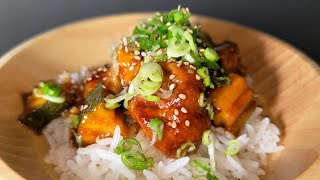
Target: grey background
[{"x": 295, "y": 21}]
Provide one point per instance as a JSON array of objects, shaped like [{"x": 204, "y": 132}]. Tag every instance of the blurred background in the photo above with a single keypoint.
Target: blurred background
[{"x": 295, "y": 21}]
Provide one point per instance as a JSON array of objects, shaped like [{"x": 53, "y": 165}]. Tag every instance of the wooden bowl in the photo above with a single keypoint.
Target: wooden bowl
[{"x": 287, "y": 82}]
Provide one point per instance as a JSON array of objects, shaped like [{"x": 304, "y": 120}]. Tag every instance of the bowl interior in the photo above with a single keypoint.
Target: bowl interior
[{"x": 285, "y": 80}]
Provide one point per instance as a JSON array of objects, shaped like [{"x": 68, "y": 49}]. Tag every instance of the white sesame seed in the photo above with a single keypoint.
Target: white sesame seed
[
  {"x": 192, "y": 67},
  {"x": 137, "y": 57},
  {"x": 159, "y": 52},
  {"x": 104, "y": 87},
  {"x": 172, "y": 76},
  {"x": 161, "y": 18},
  {"x": 186, "y": 63},
  {"x": 199, "y": 40},
  {"x": 85, "y": 106},
  {"x": 190, "y": 31},
  {"x": 136, "y": 52},
  {"x": 126, "y": 49},
  {"x": 172, "y": 86},
  {"x": 184, "y": 110},
  {"x": 137, "y": 43},
  {"x": 201, "y": 50},
  {"x": 143, "y": 54},
  {"x": 198, "y": 77},
  {"x": 176, "y": 112},
  {"x": 104, "y": 79},
  {"x": 89, "y": 79},
  {"x": 187, "y": 123},
  {"x": 96, "y": 76},
  {"x": 149, "y": 19},
  {"x": 168, "y": 24},
  {"x": 131, "y": 68},
  {"x": 179, "y": 64},
  {"x": 143, "y": 25},
  {"x": 182, "y": 96},
  {"x": 173, "y": 124},
  {"x": 164, "y": 36}
]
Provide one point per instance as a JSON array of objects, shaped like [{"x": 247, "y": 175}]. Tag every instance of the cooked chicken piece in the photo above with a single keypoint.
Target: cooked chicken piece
[
  {"x": 129, "y": 65},
  {"x": 229, "y": 56},
  {"x": 100, "y": 123},
  {"x": 106, "y": 76},
  {"x": 233, "y": 104},
  {"x": 184, "y": 120}
]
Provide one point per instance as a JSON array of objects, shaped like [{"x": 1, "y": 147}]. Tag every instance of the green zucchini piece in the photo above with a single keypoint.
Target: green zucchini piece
[
  {"x": 94, "y": 97},
  {"x": 38, "y": 118}
]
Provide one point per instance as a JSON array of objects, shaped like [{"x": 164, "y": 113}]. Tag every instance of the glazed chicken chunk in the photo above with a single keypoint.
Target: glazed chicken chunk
[{"x": 184, "y": 120}]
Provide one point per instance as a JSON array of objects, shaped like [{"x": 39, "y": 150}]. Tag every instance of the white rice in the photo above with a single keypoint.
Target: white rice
[
  {"x": 98, "y": 161},
  {"x": 258, "y": 138}
]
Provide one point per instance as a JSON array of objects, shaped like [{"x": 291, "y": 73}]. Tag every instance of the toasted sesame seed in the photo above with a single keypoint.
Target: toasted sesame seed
[
  {"x": 182, "y": 96},
  {"x": 159, "y": 52},
  {"x": 199, "y": 40},
  {"x": 149, "y": 19},
  {"x": 161, "y": 18},
  {"x": 173, "y": 124},
  {"x": 104, "y": 87},
  {"x": 143, "y": 25},
  {"x": 190, "y": 31},
  {"x": 176, "y": 112},
  {"x": 164, "y": 36},
  {"x": 186, "y": 63},
  {"x": 187, "y": 123},
  {"x": 89, "y": 79},
  {"x": 85, "y": 106},
  {"x": 201, "y": 50},
  {"x": 96, "y": 76},
  {"x": 179, "y": 64},
  {"x": 168, "y": 24},
  {"x": 126, "y": 49},
  {"x": 137, "y": 57},
  {"x": 172, "y": 86},
  {"x": 184, "y": 110},
  {"x": 198, "y": 77},
  {"x": 192, "y": 67},
  {"x": 104, "y": 79},
  {"x": 131, "y": 68},
  {"x": 143, "y": 54},
  {"x": 136, "y": 52},
  {"x": 172, "y": 76}
]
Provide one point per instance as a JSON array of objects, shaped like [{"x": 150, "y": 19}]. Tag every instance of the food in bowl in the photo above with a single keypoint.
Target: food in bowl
[{"x": 173, "y": 105}]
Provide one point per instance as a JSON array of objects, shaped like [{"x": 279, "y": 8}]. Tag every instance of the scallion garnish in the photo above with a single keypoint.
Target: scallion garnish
[
  {"x": 233, "y": 148},
  {"x": 50, "y": 91},
  {"x": 129, "y": 149},
  {"x": 204, "y": 167},
  {"x": 208, "y": 140},
  {"x": 77, "y": 138},
  {"x": 202, "y": 100},
  {"x": 184, "y": 149},
  {"x": 76, "y": 121},
  {"x": 153, "y": 98},
  {"x": 211, "y": 54},
  {"x": 156, "y": 125}
]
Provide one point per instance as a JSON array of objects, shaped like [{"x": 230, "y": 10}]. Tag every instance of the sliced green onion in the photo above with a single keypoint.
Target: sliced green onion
[
  {"x": 221, "y": 80},
  {"x": 207, "y": 81},
  {"x": 39, "y": 94},
  {"x": 148, "y": 80},
  {"x": 233, "y": 148},
  {"x": 76, "y": 121},
  {"x": 184, "y": 149},
  {"x": 209, "y": 139},
  {"x": 112, "y": 106},
  {"x": 136, "y": 160},
  {"x": 128, "y": 144},
  {"x": 202, "y": 100},
  {"x": 77, "y": 138},
  {"x": 129, "y": 149},
  {"x": 210, "y": 110},
  {"x": 205, "y": 137},
  {"x": 51, "y": 89},
  {"x": 210, "y": 54},
  {"x": 177, "y": 45},
  {"x": 203, "y": 72},
  {"x": 189, "y": 38},
  {"x": 152, "y": 98},
  {"x": 156, "y": 125},
  {"x": 204, "y": 167}
]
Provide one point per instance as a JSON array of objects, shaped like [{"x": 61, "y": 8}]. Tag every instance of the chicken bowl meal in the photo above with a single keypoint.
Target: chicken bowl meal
[{"x": 173, "y": 104}]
